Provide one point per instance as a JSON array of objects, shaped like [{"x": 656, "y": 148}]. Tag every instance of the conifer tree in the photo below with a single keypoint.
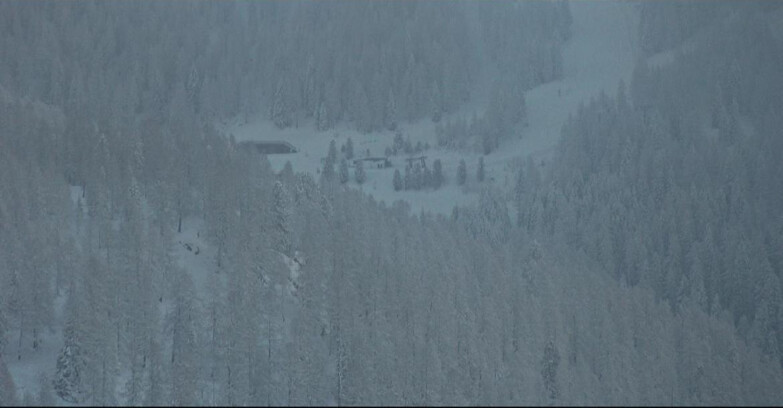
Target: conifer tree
[
  {"x": 361, "y": 175},
  {"x": 343, "y": 171},
  {"x": 462, "y": 172},
  {"x": 397, "y": 180},
  {"x": 437, "y": 174}
]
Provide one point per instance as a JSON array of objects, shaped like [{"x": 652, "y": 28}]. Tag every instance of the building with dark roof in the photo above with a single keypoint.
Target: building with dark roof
[{"x": 268, "y": 147}]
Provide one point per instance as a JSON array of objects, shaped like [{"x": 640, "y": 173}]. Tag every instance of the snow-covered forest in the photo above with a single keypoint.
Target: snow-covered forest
[{"x": 503, "y": 203}]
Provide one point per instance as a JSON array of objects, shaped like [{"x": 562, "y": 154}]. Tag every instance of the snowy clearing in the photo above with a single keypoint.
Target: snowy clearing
[{"x": 600, "y": 54}]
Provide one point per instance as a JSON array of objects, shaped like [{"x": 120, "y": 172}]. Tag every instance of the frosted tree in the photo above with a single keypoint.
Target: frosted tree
[
  {"x": 462, "y": 172},
  {"x": 184, "y": 346},
  {"x": 349, "y": 149},
  {"x": 157, "y": 385},
  {"x": 332, "y": 154},
  {"x": 343, "y": 172},
  {"x": 322, "y": 121},
  {"x": 142, "y": 322},
  {"x": 549, "y": 363},
  {"x": 71, "y": 364},
  {"x": 215, "y": 314},
  {"x": 437, "y": 174},
  {"x": 242, "y": 325},
  {"x": 36, "y": 311},
  {"x": 287, "y": 173},
  {"x": 398, "y": 143},
  {"x": 100, "y": 331},
  {"x": 219, "y": 204},
  {"x": 391, "y": 112},
  {"x": 330, "y": 160},
  {"x": 436, "y": 102},
  {"x": 407, "y": 147},
  {"x": 177, "y": 173},
  {"x": 397, "y": 180},
  {"x": 359, "y": 173},
  {"x": 3, "y": 324},
  {"x": 281, "y": 110},
  {"x": 416, "y": 177},
  {"x": 328, "y": 172}
]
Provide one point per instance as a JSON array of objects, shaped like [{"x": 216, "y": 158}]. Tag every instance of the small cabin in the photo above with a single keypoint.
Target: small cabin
[
  {"x": 422, "y": 160},
  {"x": 269, "y": 147},
  {"x": 376, "y": 162}
]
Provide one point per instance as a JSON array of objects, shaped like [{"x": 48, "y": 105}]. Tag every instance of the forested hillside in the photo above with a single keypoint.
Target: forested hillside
[
  {"x": 676, "y": 183},
  {"x": 370, "y": 63},
  {"x": 146, "y": 260}
]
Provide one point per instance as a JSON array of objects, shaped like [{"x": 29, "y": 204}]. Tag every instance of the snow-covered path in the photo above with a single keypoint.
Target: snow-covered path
[{"x": 601, "y": 51}]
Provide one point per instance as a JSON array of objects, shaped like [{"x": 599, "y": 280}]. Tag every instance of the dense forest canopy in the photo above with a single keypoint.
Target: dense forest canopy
[
  {"x": 675, "y": 183},
  {"x": 371, "y": 63}
]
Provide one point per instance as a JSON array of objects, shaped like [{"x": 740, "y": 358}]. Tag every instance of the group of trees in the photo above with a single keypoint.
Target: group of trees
[
  {"x": 418, "y": 177},
  {"x": 472, "y": 309},
  {"x": 373, "y": 64},
  {"x": 674, "y": 185},
  {"x": 462, "y": 171},
  {"x": 342, "y": 171},
  {"x": 484, "y": 133},
  {"x": 405, "y": 146}
]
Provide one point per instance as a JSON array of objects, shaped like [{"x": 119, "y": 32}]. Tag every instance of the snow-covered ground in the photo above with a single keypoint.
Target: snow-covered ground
[{"x": 601, "y": 52}]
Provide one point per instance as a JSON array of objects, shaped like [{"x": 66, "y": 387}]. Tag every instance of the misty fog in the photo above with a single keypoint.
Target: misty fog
[{"x": 543, "y": 202}]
